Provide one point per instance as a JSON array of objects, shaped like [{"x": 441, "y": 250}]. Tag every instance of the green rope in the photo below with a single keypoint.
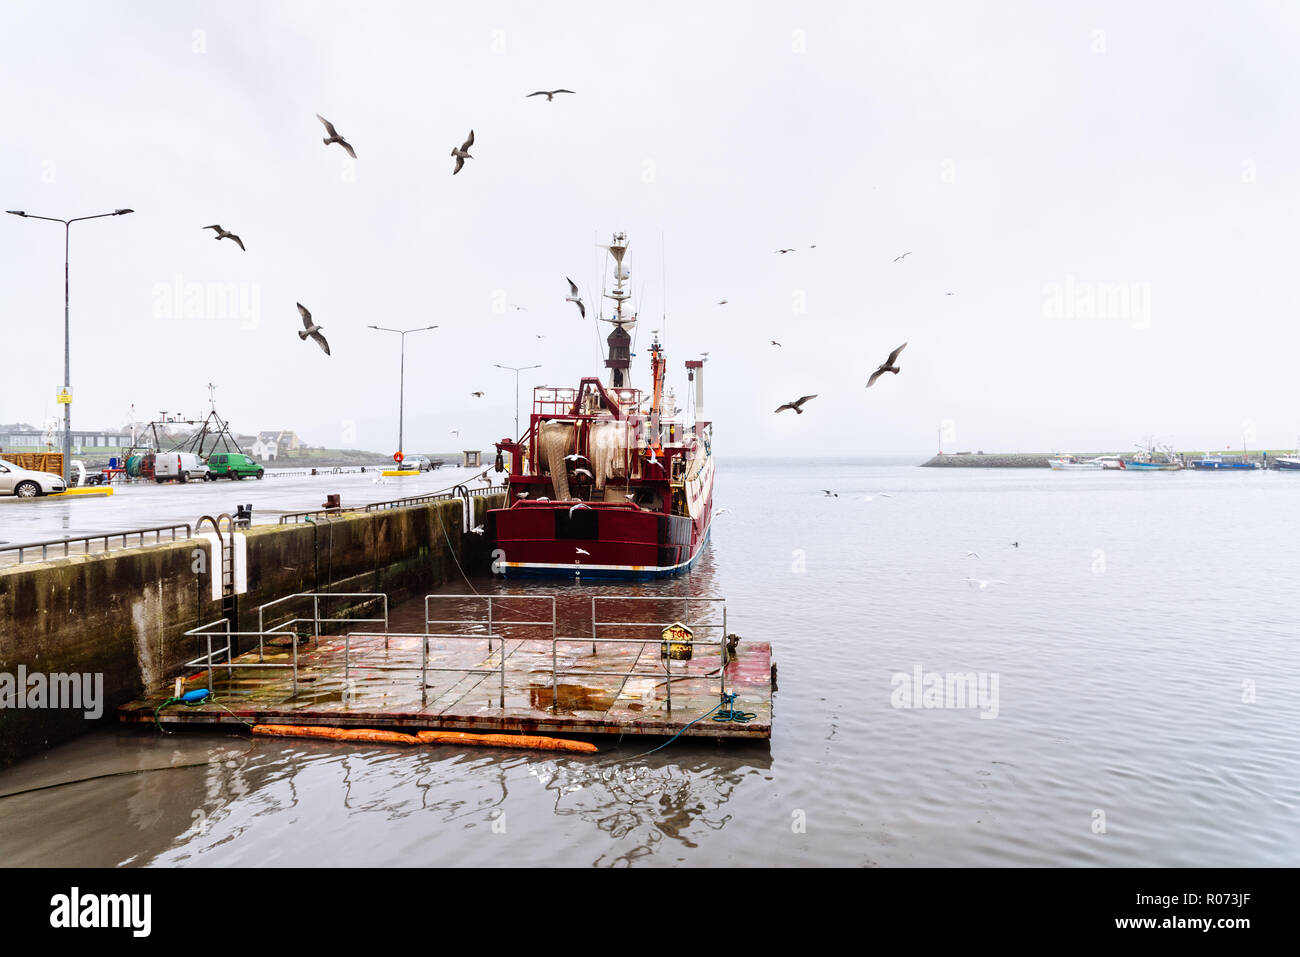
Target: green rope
[{"x": 729, "y": 714}]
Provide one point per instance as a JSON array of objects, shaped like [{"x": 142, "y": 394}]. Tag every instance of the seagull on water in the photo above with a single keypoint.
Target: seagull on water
[
  {"x": 982, "y": 583},
  {"x": 462, "y": 154},
  {"x": 226, "y": 234},
  {"x": 796, "y": 404},
  {"x": 311, "y": 329},
  {"x": 335, "y": 138},
  {"x": 549, "y": 94},
  {"x": 574, "y": 298},
  {"x": 886, "y": 366}
]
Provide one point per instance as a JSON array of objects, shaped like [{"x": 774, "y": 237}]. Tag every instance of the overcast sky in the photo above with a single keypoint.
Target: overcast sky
[{"x": 1032, "y": 158}]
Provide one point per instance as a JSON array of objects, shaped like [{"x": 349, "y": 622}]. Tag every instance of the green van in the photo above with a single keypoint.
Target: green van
[{"x": 232, "y": 465}]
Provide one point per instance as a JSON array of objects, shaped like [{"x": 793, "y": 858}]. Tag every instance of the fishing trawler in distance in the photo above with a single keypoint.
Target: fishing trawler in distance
[{"x": 608, "y": 483}]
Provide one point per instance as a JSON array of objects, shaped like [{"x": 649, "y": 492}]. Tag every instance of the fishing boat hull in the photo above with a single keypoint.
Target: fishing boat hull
[
  {"x": 601, "y": 542},
  {"x": 1288, "y": 463},
  {"x": 1061, "y": 466},
  {"x": 1153, "y": 467}
]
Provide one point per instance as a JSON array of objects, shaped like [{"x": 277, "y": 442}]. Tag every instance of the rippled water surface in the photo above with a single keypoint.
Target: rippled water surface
[{"x": 1142, "y": 637}]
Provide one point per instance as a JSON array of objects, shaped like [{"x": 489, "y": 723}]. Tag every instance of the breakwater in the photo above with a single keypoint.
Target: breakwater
[
  {"x": 980, "y": 460},
  {"x": 108, "y": 626}
]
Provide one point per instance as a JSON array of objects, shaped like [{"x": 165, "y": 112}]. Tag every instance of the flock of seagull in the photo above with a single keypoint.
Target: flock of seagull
[
  {"x": 889, "y": 365},
  {"x": 312, "y": 330}
]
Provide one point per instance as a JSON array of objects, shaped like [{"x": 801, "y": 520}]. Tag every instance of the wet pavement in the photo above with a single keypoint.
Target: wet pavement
[{"x": 146, "y": 504}]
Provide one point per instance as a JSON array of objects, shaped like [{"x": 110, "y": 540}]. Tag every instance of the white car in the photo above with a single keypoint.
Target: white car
[{"x": 27, "y": 484}]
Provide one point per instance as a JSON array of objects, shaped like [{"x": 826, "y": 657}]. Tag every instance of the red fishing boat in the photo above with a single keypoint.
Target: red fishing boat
[{"x": 608, "y": 483}]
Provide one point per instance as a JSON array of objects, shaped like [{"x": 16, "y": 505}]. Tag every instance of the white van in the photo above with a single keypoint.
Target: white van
[{"x": 179, "y": 467}]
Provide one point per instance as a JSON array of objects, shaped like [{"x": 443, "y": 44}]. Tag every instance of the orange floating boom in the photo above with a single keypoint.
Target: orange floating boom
[
  {"x": 536, "y": 742},
  {"x": 336, "y": 734}
]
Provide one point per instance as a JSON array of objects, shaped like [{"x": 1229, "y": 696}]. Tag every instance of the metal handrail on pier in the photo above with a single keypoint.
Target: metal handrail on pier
[
  {"x": 495, "y": 633},
  {"x": 105, "y": 537}
]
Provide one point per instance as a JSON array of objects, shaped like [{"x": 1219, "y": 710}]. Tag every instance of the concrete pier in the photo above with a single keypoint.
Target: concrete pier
[{"x": 122, "y": 615}]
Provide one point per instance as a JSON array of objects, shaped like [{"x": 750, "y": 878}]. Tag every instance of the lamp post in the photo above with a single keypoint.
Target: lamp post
[
  {"x": 516, "y": 370},
  {"x": 401, "y": 384},
  {"x": 67, "y": 360}
]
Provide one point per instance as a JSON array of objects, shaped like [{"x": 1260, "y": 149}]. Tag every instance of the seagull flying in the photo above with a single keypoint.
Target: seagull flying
[
  {"x": 777, "y": 344},
  {"x": 972, "y": 554},
  {"x": 982, "y": 583},
  {"x": 796, "y": 404},
  {"x": 549, "y": 94},
  {"x": 226, "y": 234},
  {"x": 335, "y": 138},
  {"x": 830, "y": 494},
  {"x": 575, "y": 457},
  {"x": 904, "y": 256},
  {"x": 477, "y": 395},
  {"x": 886, "y": 366},
  {"x": 784, "y": 251},
  {"x": 311, "y": 329},
  {"x": 462, "y": 154},
  {"x": 722, "y": 302},
  {"x": 582, "y": 472},
  {"x": 477, "y": 529},
  {"x": 582, "y": 551},
  {"x": 574, "y": 298}
]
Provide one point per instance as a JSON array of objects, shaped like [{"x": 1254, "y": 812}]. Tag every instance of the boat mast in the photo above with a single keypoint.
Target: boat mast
[{"x": 620, "y": 340}]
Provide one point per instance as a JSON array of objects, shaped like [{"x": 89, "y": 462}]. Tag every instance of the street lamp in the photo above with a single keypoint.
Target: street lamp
[
  {"x": 67, "y": 360},
  {"x": 516, "y": 370},
  {"x": 401, "y": 385}
]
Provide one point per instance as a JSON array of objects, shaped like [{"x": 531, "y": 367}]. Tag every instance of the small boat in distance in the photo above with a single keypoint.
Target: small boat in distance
[
  {"x": 1288, "y": 463},
  {"x": 1221, "y": 463},
  {"x": 1072, "y": 463}
]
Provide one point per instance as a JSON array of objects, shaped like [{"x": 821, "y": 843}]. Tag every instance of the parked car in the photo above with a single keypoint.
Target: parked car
[
  {"x": 178, "y": 467},
  {"x": 419, "y": 462},
  {"x": 26, "y": 483},
  {"x": 232, "y": 465}
]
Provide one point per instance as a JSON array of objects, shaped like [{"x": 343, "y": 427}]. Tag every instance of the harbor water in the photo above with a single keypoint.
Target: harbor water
[{"x": 1131, "y": 661}]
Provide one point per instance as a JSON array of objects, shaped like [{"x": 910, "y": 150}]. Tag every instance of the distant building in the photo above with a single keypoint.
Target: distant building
[
  {"x": 26, "y": 438},
  {"x": 470, "y": 459},
  {"x": 264, "y": 451}
]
